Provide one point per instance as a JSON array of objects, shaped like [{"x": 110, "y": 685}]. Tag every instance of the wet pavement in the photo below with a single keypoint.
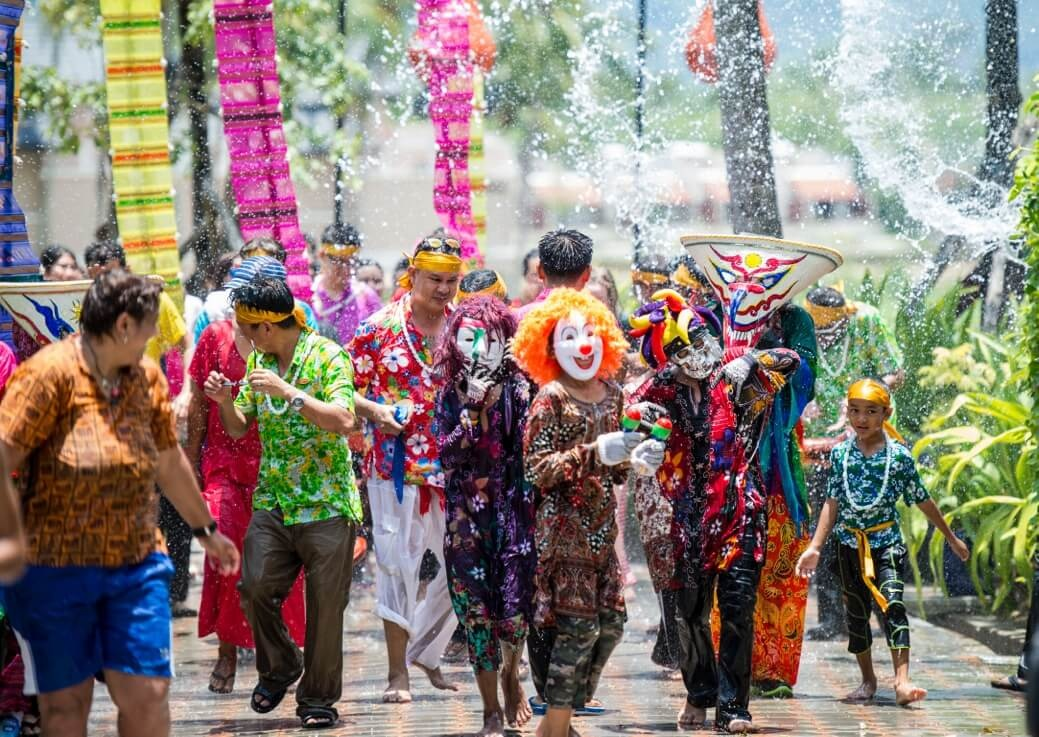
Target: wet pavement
[{"x": 640, "y": 700}]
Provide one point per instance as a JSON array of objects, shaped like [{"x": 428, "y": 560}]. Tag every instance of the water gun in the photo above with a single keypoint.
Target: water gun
[{"x": 400, "y": 414}]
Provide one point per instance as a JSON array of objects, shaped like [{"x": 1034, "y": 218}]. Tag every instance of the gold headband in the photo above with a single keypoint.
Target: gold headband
[
  {"x": 430, "y": 261},
  {"x": 497, "y": 289},
  {"x": 648, "y": 277},
  {"x": 870, "y": 390},
  {"x": 251, "y": 316},
  {"x": 339, "y": 250},
  {"x": 825, "y": 317}
]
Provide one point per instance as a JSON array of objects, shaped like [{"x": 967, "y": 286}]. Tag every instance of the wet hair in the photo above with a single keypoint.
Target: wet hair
[
  {"x": 602, "y": 275},
  {"x": 363, "y": 262},
  {"x": 222, "y": 267},
  {"x": 477, "y": 280},
  {"x": 267, "y": 247},
  {"x": 100, "y": 253},
  {"x": 565, "y": 254},
  {"x": 448, "y": 363},
  {"x": 53, "y": 253},
  {"x": 527, "y": 258},
  {"x": 269, "y": 294},
  {"x": 342, "y": 234},
  {"x": 826, "y": 297},
  {"x": 114, "y": 293}
]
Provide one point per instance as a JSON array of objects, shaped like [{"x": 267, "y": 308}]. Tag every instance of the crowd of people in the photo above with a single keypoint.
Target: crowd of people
[{"x": 483, "y": 450}]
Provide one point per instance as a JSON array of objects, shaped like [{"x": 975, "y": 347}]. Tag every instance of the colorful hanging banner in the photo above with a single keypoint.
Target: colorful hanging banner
[
  {"x": 131, "y": 32},
  {"x": 451, "y": 44},
  {"x": 17, "y": 260},
  {"x": 250, "y": 98}
]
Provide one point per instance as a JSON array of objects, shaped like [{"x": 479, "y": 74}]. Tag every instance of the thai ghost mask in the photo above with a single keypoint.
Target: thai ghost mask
[
  {"x": 578, "y": 348},
  {"x": 479, "y": 345},
  {"x": 753, "y": 276}
]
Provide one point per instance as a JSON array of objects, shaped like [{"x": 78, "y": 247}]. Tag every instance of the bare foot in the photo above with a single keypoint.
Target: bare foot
[
  {"x": 437, "y": 678},
  {"x": 740, "y": 726},
  {"x": 517, "y": 709},
  {"x": 223, "y": 676},
  {"x": 398, "y": 691},
  {"x": 907, "y": 693},
  {"x": 492, "y": 726},
  {"x": 865, "y": 692},
  {"x": 543, "y": 730},
  {"x": 692, "y": 717}
]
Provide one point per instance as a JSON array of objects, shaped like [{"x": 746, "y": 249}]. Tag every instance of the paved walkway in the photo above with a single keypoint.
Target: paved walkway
[{"x": 640, "y": 701}]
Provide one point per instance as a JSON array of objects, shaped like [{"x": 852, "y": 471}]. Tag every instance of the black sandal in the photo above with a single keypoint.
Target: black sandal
[
  {"x": 31, "y": 726},
  {"x": 1009, "y": 683},
  {"x": 272, "y": 697},
  {"x": 317, "y": 717}
]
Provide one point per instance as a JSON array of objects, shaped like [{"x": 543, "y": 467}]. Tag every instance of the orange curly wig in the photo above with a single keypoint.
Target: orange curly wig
[{"x": 532, "y": 346}]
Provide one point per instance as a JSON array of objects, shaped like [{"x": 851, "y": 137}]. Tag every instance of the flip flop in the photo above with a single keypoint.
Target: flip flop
[
  {"x": 779, "y": 691},
  {"x": 540, "y": 708},
  {"x": 590, "y": 710},
  {"x": 1009, "y": 683},
  {"x": 317, "y": 717},
  {"x": 272, "y": 697},
  {"x": 396, "y": 696}
]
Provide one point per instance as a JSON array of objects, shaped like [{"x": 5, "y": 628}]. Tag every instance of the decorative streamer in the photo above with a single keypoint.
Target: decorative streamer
[
  {"x": 250, "y": 98},
  {"x": 131, "y": 32},
  {"x": 477, "y": 171},
  {"x": 17, "y": 260},
  {"x": 451, "y": 42}
]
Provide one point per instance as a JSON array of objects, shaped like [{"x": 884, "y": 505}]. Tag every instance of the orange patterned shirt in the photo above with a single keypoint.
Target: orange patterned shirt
[{"x": 89, "y": 497}]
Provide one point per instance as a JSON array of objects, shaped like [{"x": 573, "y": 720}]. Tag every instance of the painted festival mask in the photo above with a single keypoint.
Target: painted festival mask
[
  {"x": 578, "y": 348},
  {"x": 479, "y": 345},
  {"x": 753, "y": 276}
]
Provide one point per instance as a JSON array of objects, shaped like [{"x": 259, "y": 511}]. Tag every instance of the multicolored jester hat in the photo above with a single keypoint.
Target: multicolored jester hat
[{"x": 753, "y": 276}]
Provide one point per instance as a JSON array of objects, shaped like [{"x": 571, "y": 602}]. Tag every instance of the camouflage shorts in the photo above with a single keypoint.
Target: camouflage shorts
[{"x": 579, "y": 654}]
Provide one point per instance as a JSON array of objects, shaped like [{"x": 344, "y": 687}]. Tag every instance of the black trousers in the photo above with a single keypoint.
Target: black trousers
[
  {"x": 826, "y": 582},
  {"x": 667, "y": 650},
  {"x": 888, "y": 565},
  {"x": 724, "y": 681},
  {"x": 178, "y": 542},
  {"x": 1033, "y": 622}
]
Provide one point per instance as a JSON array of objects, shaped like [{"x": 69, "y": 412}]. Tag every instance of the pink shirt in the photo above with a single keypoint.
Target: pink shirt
[{"x": 344, "y": 313}]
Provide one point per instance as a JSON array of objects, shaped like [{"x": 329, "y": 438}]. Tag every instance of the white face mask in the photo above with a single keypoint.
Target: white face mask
[
  {"x": 698, "y": 359},
  {"x": 578, "y": 348},
  {"x": 478, "y": 345}
]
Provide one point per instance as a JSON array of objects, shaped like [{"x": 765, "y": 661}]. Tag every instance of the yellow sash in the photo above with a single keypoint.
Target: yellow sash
[{"x": 869, "y": 572}]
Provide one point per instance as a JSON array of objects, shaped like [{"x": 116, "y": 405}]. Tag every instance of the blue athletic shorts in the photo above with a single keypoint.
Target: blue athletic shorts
[{"x": 74, "y": 621}]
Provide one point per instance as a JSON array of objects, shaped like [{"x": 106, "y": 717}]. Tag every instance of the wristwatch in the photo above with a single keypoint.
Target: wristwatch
[
  {"x": 206, "y": 531},
  {"x": 297, "y": 402}
]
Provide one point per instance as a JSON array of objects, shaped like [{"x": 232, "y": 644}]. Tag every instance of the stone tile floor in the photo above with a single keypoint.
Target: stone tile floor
[{"x": 639, "y": 699}]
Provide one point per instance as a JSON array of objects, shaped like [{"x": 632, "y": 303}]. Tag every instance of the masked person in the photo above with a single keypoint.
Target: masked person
[
  {"x": 705, "y": 532},
  {"x": 489, "y": 546},
  {"x": 574, "y": 452},
  {"x": 393, "y": 353}
]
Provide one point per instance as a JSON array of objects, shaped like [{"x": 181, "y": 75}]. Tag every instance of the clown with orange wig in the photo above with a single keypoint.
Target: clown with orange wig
[
  {"x": 704, "y": 523},
  {"x": 574, "y": 452}
]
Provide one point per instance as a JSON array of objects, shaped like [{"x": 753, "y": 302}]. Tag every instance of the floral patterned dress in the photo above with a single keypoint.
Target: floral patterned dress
[
  {"x": 577, "y": 573},
  {"x": 489, "y": 544}
]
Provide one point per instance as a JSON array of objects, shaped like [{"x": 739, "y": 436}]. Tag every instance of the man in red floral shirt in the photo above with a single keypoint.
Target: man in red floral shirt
[{"x": 396, "y": 392}]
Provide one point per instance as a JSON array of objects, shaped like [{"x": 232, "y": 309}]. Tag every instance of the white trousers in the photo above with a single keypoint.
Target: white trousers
[{"x": 402, "y": 536}]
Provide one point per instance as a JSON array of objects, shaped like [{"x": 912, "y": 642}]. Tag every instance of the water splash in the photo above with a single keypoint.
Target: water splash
[{"x": 895, "y": 136}]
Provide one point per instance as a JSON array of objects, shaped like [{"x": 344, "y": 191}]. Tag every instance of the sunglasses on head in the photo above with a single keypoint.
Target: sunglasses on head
[{"x": 439, "y": 245}]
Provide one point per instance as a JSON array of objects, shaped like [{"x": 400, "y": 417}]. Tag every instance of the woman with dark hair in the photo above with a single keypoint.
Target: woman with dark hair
[
  {"x": 59, "y": 264},
  {"x": 488, "y": 548},
  {"x": 89, "y": 421}
]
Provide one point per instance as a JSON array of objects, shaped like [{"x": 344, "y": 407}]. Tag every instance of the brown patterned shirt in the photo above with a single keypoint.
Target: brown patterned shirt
[{"x": 89, "y": 497}]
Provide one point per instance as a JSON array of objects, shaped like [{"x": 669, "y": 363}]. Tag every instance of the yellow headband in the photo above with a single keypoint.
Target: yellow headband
[
  {"x": 339, "y": 250},
  {"x": 870, "y": 390},
  {"x": 684, "y": 277},
  {"x": 430, "y": 261},
  {"x": 251, "y": 316},
  {"x": 824, "y": 317},
  {"x": 648, "y": 277},
  {"x": 497, "y": 289}
]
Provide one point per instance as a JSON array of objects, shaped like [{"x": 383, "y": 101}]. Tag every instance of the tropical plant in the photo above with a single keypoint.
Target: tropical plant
[{"x": 979, "y": 458}]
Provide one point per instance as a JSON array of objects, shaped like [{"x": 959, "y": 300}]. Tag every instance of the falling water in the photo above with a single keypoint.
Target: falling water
[{"x": 890, "y": 130}]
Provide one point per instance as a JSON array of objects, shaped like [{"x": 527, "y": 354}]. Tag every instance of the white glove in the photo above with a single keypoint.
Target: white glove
[
  {"x": 648, "y": 457},
  {"x": 615, "y": 447},
  {"x": 738, "y": 369}
]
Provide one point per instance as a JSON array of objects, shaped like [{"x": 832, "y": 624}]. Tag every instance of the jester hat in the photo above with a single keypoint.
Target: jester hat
[{"x": 665, "y": 325}]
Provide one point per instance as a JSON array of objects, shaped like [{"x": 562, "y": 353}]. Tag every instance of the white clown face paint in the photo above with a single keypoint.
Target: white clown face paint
[
  {"x": 479, "y": 345},
  {"x": 577, "y": 347}
]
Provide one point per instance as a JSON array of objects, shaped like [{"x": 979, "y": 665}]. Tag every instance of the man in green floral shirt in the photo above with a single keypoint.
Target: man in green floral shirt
[
  {"x": 854, "y": 342},
  {"x": 299, "y": 391}
]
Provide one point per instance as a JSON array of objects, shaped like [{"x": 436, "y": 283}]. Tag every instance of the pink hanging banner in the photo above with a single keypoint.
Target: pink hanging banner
[
  {"x": 441, "y": 52},
  {"x": 250, "y": 98}
]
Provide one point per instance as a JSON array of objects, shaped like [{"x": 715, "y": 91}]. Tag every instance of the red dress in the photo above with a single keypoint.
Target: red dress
[{"x": 229, "y": 469}]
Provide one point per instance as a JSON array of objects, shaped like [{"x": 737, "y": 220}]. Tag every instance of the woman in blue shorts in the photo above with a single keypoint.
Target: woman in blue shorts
[{"x": 87, "y": 421}]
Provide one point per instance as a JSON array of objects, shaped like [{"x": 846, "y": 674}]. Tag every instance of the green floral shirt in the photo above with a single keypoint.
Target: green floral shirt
[
  {"x": 866, "y": 485},
  {"x": 867, "y": 350},
  {"x": 304, "y": 470}
]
